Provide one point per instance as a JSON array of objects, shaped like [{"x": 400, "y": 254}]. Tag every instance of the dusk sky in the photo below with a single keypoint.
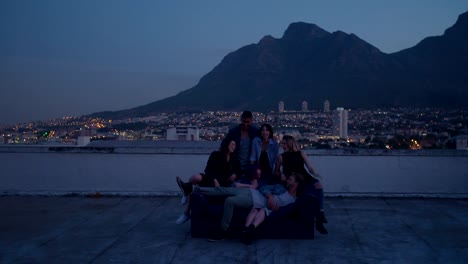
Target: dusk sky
[{"x": 69, "y": 58}]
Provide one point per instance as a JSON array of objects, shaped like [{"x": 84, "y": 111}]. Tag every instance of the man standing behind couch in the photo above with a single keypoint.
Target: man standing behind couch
[{"x": 243, "y": 134}]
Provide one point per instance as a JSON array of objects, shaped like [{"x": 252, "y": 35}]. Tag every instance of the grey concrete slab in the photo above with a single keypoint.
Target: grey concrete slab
[{"x": 142, "y": 230}]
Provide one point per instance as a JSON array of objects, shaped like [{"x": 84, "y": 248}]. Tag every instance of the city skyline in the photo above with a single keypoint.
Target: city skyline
[
  {"x": 395, "y": 128},
  {"x": 71, "y": 59}
]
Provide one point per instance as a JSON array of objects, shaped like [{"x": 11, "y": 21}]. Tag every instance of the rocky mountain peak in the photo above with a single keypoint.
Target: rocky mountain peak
[{"x": 302, "y": 30}]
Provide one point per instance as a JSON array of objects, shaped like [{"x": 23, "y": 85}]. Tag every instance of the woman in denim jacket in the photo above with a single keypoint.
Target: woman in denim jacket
[{"x": 264, "y": 153}]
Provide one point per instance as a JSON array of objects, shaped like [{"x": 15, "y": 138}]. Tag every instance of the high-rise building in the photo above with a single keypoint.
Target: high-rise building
[
  {"x": 304, "y": 106},
  {"x": 281, "y": 106},
  {"x": 340, "y": 123},
  {"x": 326, "y": 106},
  {"x": 183, "y": 133}
]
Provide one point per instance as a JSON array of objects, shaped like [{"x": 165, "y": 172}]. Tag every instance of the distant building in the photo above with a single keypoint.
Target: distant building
[
  {"x": 281, "y": 106},
  {"x": 83, "y": 140},
  {"x": 326, "y": 106},
  {"x": 304, "y": 106},
  {"x": 183, "y": 133},
  {"x": 340, "y": 123},
  {"x": 462, "y": 142}
]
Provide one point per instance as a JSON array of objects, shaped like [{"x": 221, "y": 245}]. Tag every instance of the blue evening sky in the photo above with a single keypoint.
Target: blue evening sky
[{"x": 70, "y": 58}]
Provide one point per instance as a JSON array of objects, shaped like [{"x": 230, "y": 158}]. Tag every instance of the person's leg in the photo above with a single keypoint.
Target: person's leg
[
  {"x": 220, "y": 191},
  {"x": 187, "y": 187},
  {"x": 238, "y": 197},
  {"x": 189, "y": 202},
  {"x": 318, "y": 192},
  {"x": 186, "y": 215},
  {"x": 196, "y": 178},
  {"x": 309, "y": 209},
  {"x": 248, "y": 234},
  {"x": 259, "y": 217},
  {"x": 250, "y": 217},
  {"x": 242, "y": 198}
]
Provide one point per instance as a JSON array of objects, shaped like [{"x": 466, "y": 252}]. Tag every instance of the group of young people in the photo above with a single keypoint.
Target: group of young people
[{"x": 249, "y": 169}]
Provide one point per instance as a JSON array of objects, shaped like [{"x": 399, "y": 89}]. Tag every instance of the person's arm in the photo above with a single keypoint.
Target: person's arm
[
  {"x": 216, "y": 183},
  {"x": 211, "y": 163},
  {"x": 232, "y": 178},
  {"x": 213, "y": 167},
  {"x": 274, "y": 149},
  {"x": 253, "y": 154},
  {"x": 253, "y": 185},
  {"x": 244, "y": 185},
  {"x": 277, "y": 171},
  {"x": 279, "y": 162},
  {"x": 272, "y": 204},
  {"x": 236, "y": 167},
  {"x": 309, "y": 165}
]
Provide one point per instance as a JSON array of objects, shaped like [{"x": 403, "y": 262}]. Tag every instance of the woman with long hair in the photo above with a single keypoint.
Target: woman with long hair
[
  {"x": 221, "y": 170},
  {"x": 294, "y": 160},
  {"x": 264, "y": 153}
]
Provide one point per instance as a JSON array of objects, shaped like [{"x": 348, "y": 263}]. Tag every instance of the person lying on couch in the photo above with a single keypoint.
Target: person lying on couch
[{"x": 249, "y": 198}]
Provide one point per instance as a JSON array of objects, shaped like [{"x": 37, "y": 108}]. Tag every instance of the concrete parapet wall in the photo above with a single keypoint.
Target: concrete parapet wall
[{"x": 148, "y": 171}]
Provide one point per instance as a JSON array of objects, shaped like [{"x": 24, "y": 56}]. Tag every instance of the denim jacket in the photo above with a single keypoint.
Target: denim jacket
[{"x": 272, "y": 151}]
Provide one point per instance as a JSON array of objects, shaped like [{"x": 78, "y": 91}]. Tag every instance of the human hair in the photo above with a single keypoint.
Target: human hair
[
  {"x": 291, "y": 143},
  {"x": 225, "y": 146},
  {"x": 298, "y": 177},
  {"x": 246, "y": 114},
  {"x": 269, "y": 127},
  {"x": 252, "y": 171}
]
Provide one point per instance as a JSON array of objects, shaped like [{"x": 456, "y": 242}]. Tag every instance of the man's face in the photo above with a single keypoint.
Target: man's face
[
  {"x": 291, "y": 181},
  {"x": 259, "y": 173},
  {"x": 246, "y": 122}
]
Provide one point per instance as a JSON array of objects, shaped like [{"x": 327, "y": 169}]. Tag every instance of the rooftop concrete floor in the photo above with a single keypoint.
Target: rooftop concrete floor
[{"x": 142, "y": 230}]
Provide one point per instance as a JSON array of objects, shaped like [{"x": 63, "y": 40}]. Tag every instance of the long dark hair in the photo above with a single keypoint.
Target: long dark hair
[
  {"x": 224, "y": 149},
  {"x": 269, "y": 127}
]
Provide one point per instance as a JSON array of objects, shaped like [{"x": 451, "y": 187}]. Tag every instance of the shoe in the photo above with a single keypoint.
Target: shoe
[
  {"x": 183, "y": 200},
  {"x": 247, "y": 235},
  {"x": 185, "y": 188},
  {"x": 182, "y": 219},
  {"x": 218, "y": 236},
  {"x": 321, "y": 217},
  {"x": 320, "y": 228}
]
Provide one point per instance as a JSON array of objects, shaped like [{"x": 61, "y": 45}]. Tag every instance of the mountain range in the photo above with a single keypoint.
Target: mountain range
[{"x": 311, "y": 64}]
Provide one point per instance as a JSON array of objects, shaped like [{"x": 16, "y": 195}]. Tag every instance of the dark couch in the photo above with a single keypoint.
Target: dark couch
[{"x": 294, "y": 221}]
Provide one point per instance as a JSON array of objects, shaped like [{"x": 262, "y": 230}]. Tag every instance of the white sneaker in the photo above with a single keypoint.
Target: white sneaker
[
  {"x": 183, "y": 200},
  {"x": 182, "y": 219}
]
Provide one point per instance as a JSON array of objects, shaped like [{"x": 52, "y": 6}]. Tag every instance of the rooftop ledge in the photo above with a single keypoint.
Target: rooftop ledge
[
  {"x": 205, "y": 148},
  {"x": 149, "y": 169}
]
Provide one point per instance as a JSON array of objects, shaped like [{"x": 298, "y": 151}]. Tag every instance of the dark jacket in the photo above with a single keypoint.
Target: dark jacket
[{"x": 218, "y": 168}]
